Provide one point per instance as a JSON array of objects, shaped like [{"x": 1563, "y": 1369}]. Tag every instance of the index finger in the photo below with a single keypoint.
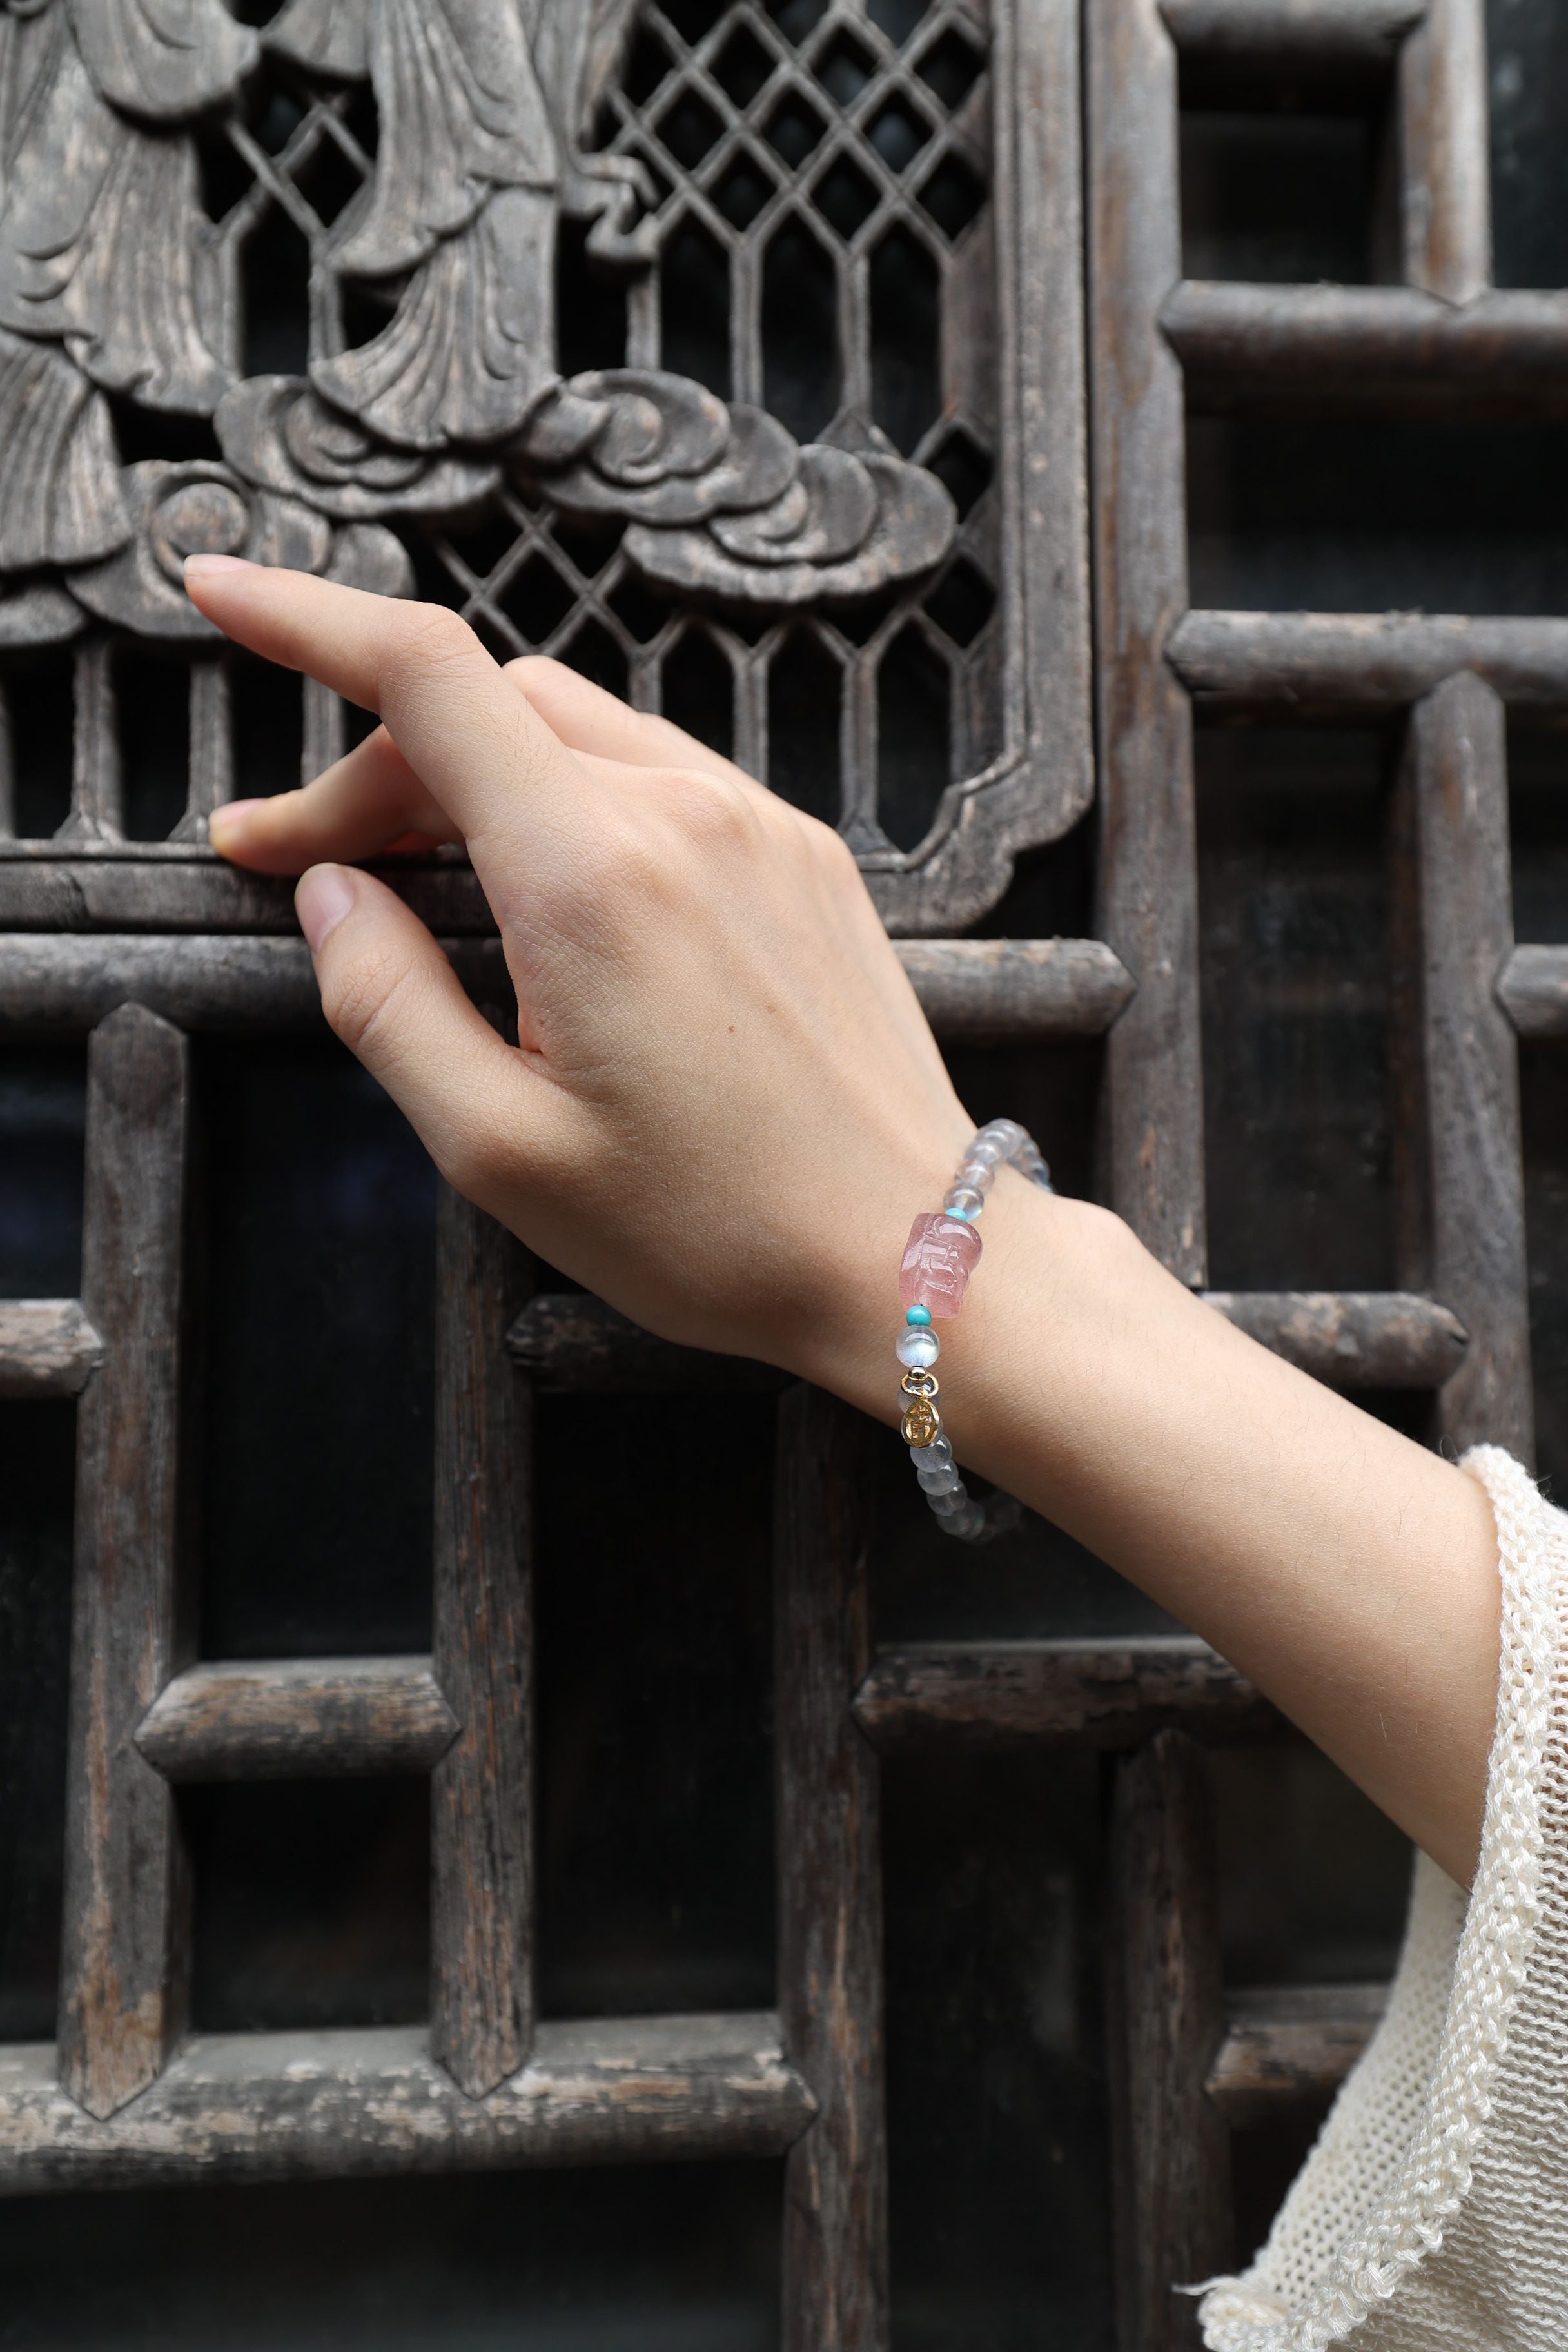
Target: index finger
[{"x": 468, "y": 734}]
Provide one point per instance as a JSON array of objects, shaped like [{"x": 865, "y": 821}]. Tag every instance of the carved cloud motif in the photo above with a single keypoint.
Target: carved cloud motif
[{"x": 107, "y": 273}]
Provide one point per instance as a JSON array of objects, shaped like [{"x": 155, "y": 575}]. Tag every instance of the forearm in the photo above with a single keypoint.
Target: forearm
[{"x": 1349, "y": 1572}]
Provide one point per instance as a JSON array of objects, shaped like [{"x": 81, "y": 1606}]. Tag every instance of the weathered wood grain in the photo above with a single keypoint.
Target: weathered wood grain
[
  {"x": 570, "y": 1341},
  {"x": 830, "y": 1894},
  {"x": 1289, "y": 30},
  {"x": 1287, "y": 2048},
  {"x": 1368, "y": 350},
  {"x": 1459, "y": 1191},
  {"x": 1445, "y": 153},
  {"x": 271, "y": 2106},
  {"x": 48, "y": 1348},
  {"x": 297, "y": 1719},
  {"x": 1166, "y": 2015},
  {"x": 1532, "y": 989},
  {"x": 1148, "y": 879},
  {"x": 1066, "y": 1694},
  {"x": 982, "y": 991},
  {"x": 481, "y": 1795},
  {"x": 1351, "y": 1339},
  {"x": 109, "y": 886},
  {"x": 1338, "y": 665},
  {"x": 122, "y": 1959}
]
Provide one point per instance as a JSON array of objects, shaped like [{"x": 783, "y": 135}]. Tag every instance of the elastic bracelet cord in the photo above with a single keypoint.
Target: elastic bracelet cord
[{"x": 942, "y": 1253}]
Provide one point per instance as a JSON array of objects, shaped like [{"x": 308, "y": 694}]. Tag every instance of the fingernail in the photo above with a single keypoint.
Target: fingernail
[
  {"x": 321, "y": 898},
  {"x": 202, "y": 567},
  {"x": 230, "y": 817}
]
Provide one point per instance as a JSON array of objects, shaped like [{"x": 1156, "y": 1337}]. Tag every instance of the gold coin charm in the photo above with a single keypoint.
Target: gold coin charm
[{"x": 919, "y": 1424}]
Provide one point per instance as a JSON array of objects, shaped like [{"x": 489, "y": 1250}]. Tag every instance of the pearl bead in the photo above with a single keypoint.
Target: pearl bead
[
  {"x": 963, "y": 1200},
  {"x": 926, "y": 1457},
  {"x": 944, "y": 1506},
  {"x": 921, "y": 1315},
  {"x": 985, "y": 1152},
  {"x": 944, "y": 1480},
  {"x": 967, "y": 1523},
  {"x": 977, "y": 1175},
  {"x": 918, "y": 1347}
]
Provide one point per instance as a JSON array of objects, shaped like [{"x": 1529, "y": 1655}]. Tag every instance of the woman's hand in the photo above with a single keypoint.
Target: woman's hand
[
  {"x": 724, "y": 1110},
  {"x": 725, "y": 1105}
]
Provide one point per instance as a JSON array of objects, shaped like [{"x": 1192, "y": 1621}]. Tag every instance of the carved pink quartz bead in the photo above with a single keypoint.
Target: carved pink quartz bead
[{"x": 939, "y": 1255}]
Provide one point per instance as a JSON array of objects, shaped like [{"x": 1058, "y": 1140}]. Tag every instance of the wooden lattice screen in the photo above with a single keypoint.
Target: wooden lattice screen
[{"x": 854, "y": 147}]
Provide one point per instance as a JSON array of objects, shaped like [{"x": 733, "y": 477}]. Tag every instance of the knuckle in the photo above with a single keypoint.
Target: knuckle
[
  {"x": 537, "y": 674},
  {"x": 434, "y": 637},
  {"x": 710, "y": 810}
]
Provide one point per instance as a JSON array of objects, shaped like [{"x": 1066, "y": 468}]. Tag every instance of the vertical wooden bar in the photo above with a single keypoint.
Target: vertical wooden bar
[
  {"x": 122, "y": 1960},
  {"x": 1460, "y": 1185},
  {"x": 1148, "y": 852},
  {"x": 1171, "y": 2147},
  {"x": 212, "y": 746},
  {"x": 483, "y": 1995},
  {"x": 1446, "y": 165},
  {"x": 324, "y": 736},
  {"x": 7, "y": 767},
  {"x": 830, "y": 1896},
  {"x": 95, "y": 809}
]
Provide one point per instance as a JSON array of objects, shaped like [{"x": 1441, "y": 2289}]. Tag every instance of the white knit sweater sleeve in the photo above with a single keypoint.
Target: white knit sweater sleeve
[{"x": 1432, "y": 2216}]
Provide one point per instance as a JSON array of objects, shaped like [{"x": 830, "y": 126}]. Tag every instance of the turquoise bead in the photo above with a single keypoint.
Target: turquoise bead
[{"x": 919, "y": 1314}]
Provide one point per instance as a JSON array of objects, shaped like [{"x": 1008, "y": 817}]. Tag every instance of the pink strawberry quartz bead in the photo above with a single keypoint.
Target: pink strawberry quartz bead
[{"x": 939, "y": 1255}]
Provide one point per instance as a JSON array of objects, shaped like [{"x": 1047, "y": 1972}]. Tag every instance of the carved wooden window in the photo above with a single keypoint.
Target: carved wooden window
[{"x": 734, "y": 352}]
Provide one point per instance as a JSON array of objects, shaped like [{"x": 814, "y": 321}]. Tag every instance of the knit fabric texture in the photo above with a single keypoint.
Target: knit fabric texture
[{"x": 1433, "y": 2213}]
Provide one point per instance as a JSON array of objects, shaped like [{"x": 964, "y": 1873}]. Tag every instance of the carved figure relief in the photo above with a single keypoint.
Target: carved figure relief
[{"x": 431, "y": 402}]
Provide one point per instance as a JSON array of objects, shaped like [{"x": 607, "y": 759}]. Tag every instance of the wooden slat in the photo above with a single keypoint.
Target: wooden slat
[
  {"x": 122, "y": 1959},
  {"x": 985, "y": 990},
  {"x": 1171, "y": 2156},
  {"x": 1340, "y": 665},
  {"x": 482, "y": 1804},
  {"x": 297, "y": 1719},
  {"x": 1351, "y": 1339},
  {"x": 66, "y": 982},
  {"x": 1368, "y": 350},
  {"x": 106, "y": 886},
  {"x": 270, "y": 2107},
  {"x": 1148, "y": 853},
  {"x": 1068, "y": 1694},
  {"x": 1366, "y": 31},
  {"x": 830, "y": 1896},
  {"x": 48, "y": 1348},
  {"x": 1460, "y": 1190},
  {"x": 1445, "y": 155},
  {"x": 570, "y": 1340},
  {"x": 1533, "y": 991},
  {"x": 1287, "y": 2049}
]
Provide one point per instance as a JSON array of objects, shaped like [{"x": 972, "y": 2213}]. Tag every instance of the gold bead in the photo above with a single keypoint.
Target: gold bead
[
  {"x": 918, "y": 1382},
  {"x": 919, "y": 1424}
]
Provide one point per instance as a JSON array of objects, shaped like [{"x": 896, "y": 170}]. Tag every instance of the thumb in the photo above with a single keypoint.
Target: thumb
[{"x": 391, "y": 995}]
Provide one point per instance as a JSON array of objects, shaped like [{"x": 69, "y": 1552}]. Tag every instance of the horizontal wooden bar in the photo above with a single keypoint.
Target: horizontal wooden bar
[
  {"x": 1289, "y": 2048},
  {"x": 1068, "y": 1694},
  {"x": 1533, "y": 988},
  {"x": 70, "y": 981},
  {"x": 1346, "y": 665},
  {"x": 569, "y": 1341},
  {"x": 48, "y": 1348},
  {"x": 988, "y": 989},
  {"x": 177, "y": 887},
  {"x": 1367, "y": 31},
  {"x": 267, "y": 2106},
  {"x": 1351, "y": 1339},
  {"x": 298, "y": 1719},
  {"x": 1366, "y": 350}
]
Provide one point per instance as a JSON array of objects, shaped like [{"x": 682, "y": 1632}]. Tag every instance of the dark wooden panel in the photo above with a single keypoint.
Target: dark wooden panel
[
  {"x": 48, "y": 1348},
  {"x": 122, "y": 1962},
  {"x": 298, "y": 1719},
  {"x": 1167, "y": 2019},
  {"x": 269, "y": 2107},
  {"x": 482, "y": 1812},
  {"x": 830, "y": 1894},
  {"x": 1327, "y": 665},
  {"x": 1289, "y": 2048},
  {"x": 1351, "y": 1339},
  {"x": 1148, "y": 872},
  {"x": 1461, "y": 1190},
  {"x": 1068, "y": 1694}
]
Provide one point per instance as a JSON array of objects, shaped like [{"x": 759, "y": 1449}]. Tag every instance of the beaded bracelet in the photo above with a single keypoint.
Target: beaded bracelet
[{"x": 942, "y": 1253}]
